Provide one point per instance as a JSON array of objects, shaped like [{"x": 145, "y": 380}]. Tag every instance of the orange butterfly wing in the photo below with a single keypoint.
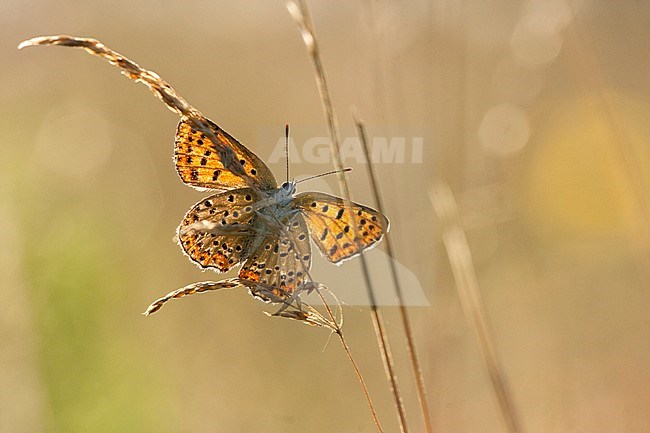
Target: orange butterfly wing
[
  {"x": 216, "y": 232},
  {"x": 332, "y": 227},
  {"x": 199, "y": 164}
]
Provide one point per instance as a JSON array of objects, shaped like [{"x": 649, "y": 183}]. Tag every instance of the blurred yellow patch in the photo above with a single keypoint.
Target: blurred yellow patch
[{"x": 589, "y": 174}]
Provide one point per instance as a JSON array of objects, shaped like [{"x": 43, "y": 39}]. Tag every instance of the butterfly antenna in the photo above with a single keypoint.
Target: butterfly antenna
[
  {"x": 286, "y": 148},
  {"x": 345, "y": 170}
]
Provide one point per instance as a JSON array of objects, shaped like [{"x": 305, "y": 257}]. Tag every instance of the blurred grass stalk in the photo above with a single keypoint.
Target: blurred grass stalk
[
  {"x": 300, "y": 13},
  {"x": 460, "y": 259},
  {"x": 406, "y": 322}
]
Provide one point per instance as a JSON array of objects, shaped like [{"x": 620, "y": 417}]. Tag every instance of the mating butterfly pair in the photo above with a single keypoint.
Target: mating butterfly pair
[{"x": 254, "y": 221}]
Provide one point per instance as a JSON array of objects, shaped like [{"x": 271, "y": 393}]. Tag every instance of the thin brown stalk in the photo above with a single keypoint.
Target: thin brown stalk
[
  {"x": 301, "y": 16},
  {"x": 406, "y": 322},
  {"x": 468, "y": 288},
  {"x": 339, "y": 332}
]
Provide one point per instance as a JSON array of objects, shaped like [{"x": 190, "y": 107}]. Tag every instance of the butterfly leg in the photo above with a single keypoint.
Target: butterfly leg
[{"x": 204, "y": 286}]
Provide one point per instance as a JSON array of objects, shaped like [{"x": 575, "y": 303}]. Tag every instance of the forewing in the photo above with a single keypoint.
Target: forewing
[
  {"x": 200, "y": 164},
  {"x": 332, "y": 226},
  {"x": 217, "y": 231},
  {"x": 279, "y": 265}
]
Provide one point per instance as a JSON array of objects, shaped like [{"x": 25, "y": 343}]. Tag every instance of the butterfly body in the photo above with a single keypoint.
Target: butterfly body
[{"x": 276, "y": 208}]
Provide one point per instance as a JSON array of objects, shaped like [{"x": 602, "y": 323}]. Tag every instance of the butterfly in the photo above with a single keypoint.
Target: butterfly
[{"x": 253, "y": 221}]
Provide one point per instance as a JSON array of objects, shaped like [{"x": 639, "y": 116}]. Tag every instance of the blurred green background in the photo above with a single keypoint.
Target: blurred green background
[{"x": 538, "y": 117}]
